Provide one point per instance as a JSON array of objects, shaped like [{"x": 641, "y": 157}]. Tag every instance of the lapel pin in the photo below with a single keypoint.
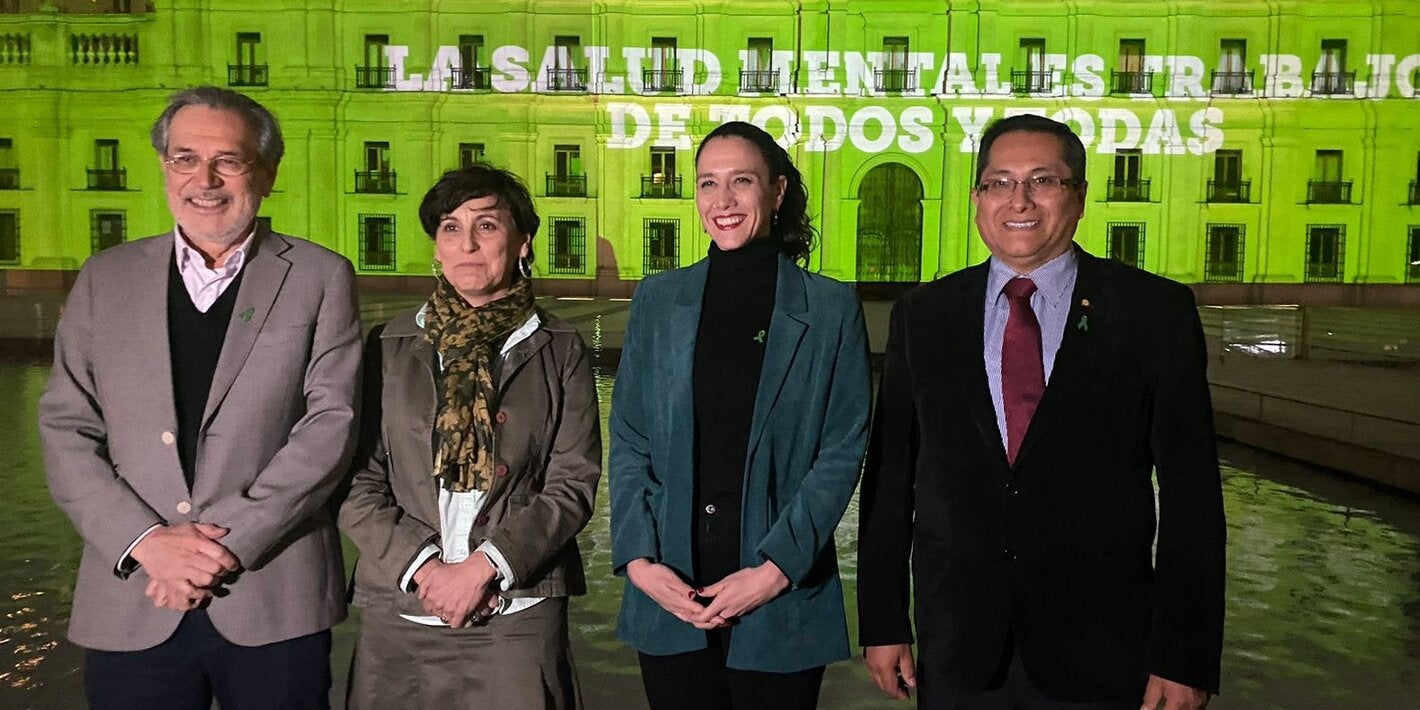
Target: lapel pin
[
  {"x": 246, "y": 315},
  {"x": 1084, "y": 303},
  {"x": 759, "y": 337},
  {"x": 1084, "y": 324}
]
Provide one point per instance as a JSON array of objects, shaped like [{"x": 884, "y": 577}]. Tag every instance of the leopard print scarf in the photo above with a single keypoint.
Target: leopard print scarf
[{"x": 467, "y": 339}]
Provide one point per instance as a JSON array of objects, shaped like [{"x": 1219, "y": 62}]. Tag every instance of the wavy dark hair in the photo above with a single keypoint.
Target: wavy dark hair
[
  {"x": 460, "y": 185},
  {"x": 790, "y": 226}
]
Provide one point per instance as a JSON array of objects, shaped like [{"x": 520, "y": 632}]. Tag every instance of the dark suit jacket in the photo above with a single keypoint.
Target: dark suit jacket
[{"x": 1057, "y": 550}]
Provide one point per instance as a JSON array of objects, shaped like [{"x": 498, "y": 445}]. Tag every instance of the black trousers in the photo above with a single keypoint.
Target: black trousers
[
  {"x": 196, "y": 663},
  {"x": 699, "y": 680},
  {"x": 1012, "y": 689}
]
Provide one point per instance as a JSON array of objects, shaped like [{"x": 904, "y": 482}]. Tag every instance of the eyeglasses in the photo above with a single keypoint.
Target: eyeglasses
[
  {"x": 1042, "y": 185},
  {"x": 225, "y": 165}
]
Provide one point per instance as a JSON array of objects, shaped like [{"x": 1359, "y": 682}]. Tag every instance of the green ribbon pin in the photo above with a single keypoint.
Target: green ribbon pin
[
  {"x": 246, "y": 315},
  {"x": 1084, "y": 324},
  {"x": 759, "y": 338}
]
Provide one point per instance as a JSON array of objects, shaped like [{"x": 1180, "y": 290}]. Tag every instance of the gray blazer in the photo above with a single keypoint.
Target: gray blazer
[{"x": 276, "y": 437}]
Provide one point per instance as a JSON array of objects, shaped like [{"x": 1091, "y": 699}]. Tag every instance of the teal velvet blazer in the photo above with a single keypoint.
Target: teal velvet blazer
[{"x": 806, "y": 446}]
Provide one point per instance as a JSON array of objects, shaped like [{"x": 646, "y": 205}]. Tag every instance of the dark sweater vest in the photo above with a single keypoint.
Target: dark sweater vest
[
  {"x": 194, "y": 344},
  {"x": 729, "y": 354}
]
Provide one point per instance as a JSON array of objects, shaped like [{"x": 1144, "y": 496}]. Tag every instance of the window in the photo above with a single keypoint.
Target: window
[
  {"x": 377, "y": 177},
  {"x": 759, "y": 75},
  {"x": 1414, "y": 184},
  {"x": 375, "y": 73},
  {"x": 1126, "y": 185},
  {"x": 1327, "y": 187},
  {"x": 1224, "y": 258},
  {"x": 1031, "y": 76},
  {"x": 1331, "y": 76},
  {"x": 1227, "y": 184},
  {"x": 249, "y": 70},
  {"x": 106, "y": 229},
  {"x": 662, "y": 245},
  {"x": 1232, "y": 75},
  {"x": 662, "y": 180},
  {"x": 569, "y": 245},
  {"x": 9, "y": 170},
  {"x": 565, "y": 75},
  {"x": 470, "y": 153},
  {"x": 377, "y": 242},
  {"x": 106, "y": 173},
  {"x": 1130, "y": 77},
  {"x": 1326, "y": 252},
  {"x": 664, "y": 74},
  {"x": 1126, "y": 243},
  {"x": 10, "y": 237},
  {"x": 895, "y": 76},
  {"x": 472, "y": 71},
  {"x": 567, "y": 179},
  {"x": 1412, "y": 256}
]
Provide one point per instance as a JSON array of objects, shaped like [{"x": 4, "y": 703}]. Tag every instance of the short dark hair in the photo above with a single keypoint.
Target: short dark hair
[
  {"x": 458, "y": 186},
  {"x": 262, "y": 124},
  {"x": 791, "y": 224},
  {"x": 1072, "y": 151}
]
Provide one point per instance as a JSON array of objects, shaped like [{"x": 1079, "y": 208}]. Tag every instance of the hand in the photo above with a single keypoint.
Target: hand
[
  {"x": 743, "y": 592},
  {"x": 186, "y": 554},
  {"x": 178, "y": 596},
  {"x": 453, "y": 592},
  {"x": 891, "y": 668},
  {"x": 667, "y": 589},
  {"x": 1173, "y": 696}
]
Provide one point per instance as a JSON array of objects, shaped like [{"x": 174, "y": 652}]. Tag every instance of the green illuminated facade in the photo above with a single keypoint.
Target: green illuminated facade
[{"x": 1235, "y": 144}]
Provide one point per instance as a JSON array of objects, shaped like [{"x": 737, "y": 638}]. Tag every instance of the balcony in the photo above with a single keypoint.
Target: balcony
[
  {"x": 374, "y": 77},
  {"x": 1131, "y": 82},
  {"x": 1224, "y": 191},
  {"x": 108, "y": 179},
  {"x": 660, "y": 186},
  {"x": 1414, "y": 192},
  {"x": 10, "y": 179},
  {"x": 1230, "y": 83},
  {"x": 375, "y": 182},
  {"x": 103, "y": 49},
  {"x": 1328, "y": 193},
  {"x": 759, "y": 81},
  {"x": 566, "y": 185},
  {"x": 1031, "y": 82},
  {"x": 15, "y": 48},
  {"x": 895, "y": 81},
  {"x": 77, "y": 7},
  {"x": 246, "y": 75},
  {"x": 566, "y": 79},
  {"x": 1333, "y": 83},
  {"x": 470, "y": 79},
  {"x": 1128, "y": 191},
  {"x": 664, "y": 80}
]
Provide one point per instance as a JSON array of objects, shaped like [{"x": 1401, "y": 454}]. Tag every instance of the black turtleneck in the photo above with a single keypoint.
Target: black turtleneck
[{"x": 729, "y": 353}]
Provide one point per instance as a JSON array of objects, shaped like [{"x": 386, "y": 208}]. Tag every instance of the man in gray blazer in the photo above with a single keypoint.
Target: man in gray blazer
[{"x": 199, "y": 415}]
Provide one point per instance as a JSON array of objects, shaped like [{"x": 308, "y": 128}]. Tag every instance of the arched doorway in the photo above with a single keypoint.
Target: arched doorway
[{"x": 889, "y": 230}]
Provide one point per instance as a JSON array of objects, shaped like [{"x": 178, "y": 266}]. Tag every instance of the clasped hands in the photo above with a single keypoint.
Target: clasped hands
[
  {"x": 730, "y": 598},
  {"x": 459, "y": 593},
  {"x": 185, "y": 564}
]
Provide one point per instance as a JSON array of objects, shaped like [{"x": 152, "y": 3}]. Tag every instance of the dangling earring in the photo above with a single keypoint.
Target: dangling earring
[
  {"x": 436, "y": 268},
  {"x": 524, "y": 268},
  {"x": 774, "y": 218}
]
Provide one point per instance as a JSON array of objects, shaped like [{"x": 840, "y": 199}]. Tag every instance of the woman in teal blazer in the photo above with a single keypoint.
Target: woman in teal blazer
[{"x": 738, "y": 427}]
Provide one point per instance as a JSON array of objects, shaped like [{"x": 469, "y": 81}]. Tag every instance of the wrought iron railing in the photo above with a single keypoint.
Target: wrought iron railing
[
  {"x": 1128, "y": 191},
  {"x": 1230, "y": 191},
  {"x": 374, "y": 77},
  {"x": 660, "y": 186},
  {"x": 566, "y": 185},
  {"x": 895, "y": 80},
  {"x": 246, "y": 75},
  {"x": 470, "y": 78},
  {"x": 759, "y": 80},
  {"x": 1031, "y": 82},
  {"x": 377, "y": 182},
  {"x": 1226, "y": 83},
  {"x": 1329, "y": 192},
  {"x": 1328, "y": 83},
  {"x": 1131, "y": 82},
  {"x": 108, "y": 179}
]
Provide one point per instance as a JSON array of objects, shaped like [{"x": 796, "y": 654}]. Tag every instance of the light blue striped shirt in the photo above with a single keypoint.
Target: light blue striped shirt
[{"x": 1054, "y": 284}]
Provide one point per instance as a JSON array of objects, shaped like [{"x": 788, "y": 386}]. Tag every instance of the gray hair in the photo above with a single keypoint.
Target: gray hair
[{"x": 260, "y": 121}]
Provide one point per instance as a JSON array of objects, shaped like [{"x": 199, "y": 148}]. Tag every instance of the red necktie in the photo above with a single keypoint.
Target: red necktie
[{"x": 1022, "y": 371}]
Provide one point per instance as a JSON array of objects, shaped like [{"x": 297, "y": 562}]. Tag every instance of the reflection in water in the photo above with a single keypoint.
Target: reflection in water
[{"x": 1323, "y": 587}]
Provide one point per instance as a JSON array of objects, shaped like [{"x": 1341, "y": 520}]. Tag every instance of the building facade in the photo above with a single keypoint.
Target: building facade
[{"x": 1235, "y": 145}]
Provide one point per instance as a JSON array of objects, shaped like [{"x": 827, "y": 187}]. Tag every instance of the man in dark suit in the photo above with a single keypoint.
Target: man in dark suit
[
  {"x": 1027, "y": 406},
  {"x": 199, "y": 414}
]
